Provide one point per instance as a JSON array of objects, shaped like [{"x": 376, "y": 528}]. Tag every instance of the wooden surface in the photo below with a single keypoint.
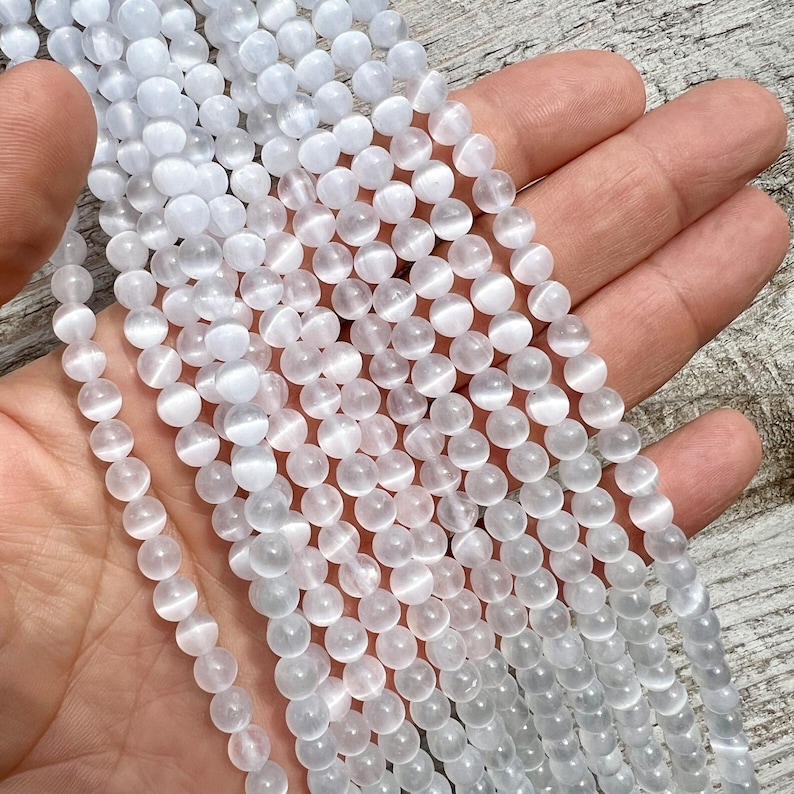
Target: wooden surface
[{"x": 747, "y": 557}]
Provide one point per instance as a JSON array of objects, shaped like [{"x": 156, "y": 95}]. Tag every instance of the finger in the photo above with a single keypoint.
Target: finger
[
  {"x": 677, "y": 300},
  {"x": 703, "y": 468},
  {"x": 544, "y": 112},
  {"x": 632, "y": 193},
  {"x": 683, "y": 295},
  {"x": 47, "y": 140}
]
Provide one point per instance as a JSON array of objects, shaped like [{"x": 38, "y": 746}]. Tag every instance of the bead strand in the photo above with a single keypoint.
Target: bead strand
[{"x": 164, "y": 115}]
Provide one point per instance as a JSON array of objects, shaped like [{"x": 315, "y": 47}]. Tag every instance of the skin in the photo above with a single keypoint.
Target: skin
[{"x": 650, "y": 221}]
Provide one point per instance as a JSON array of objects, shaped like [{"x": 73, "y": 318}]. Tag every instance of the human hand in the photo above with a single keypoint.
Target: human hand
[{"x": 654, "y": 232}]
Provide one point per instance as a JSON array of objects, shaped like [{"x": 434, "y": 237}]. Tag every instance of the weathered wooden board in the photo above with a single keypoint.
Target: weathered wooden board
[{"x": 747, "y": 557}]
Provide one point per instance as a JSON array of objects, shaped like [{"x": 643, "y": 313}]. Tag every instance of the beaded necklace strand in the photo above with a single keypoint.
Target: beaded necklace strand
[{"x": 330, "y": 375}]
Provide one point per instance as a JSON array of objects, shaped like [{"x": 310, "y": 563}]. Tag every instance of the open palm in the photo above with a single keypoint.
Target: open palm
[{"x": 654, "y": 231}]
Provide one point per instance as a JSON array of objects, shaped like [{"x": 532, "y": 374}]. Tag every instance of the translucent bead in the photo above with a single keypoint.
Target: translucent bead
[
  {"x": 451, "y": 219},
  {"x": 187, "y": 215},
  {"x": 360, "y": 399},
  {"x": 487, "y": 485},
  {"x": 99, "y": 400},
  {"x": 508, "y": 427},
  {"x": 323, "y": 605},
  {"x": 581, "y": 473},
  {"x": 359, "y": 575},
  {"x": 607, "y": 543},
  {"x": 351, "y": 733},
  {"x": 396, "y": 647},
  {"x": 215, "y": 670},
  {"x": 474, "y": 155},
  {"x": 628, "y": 573},
  {"x": 368, "y": 767},
  {"x": 83, "y": 361},
  {"x": 175, "y": 598},
  {"x": 227, "y": 213},
  {"x": 505, "y": 522},
  {"x": 393, "y": 546},
  {"x": 274, "y": 598},
  {"x": 472, "y": 547},
  {"x": 432, "y": 617},
  {"x": 379, "y": 611},
  {"x": 666, "y": 545},
  {"x": 190, "y": 49},
  {"x": 549, "y": 301},
  {"x": 394, "y": 202},
  {"x": 492, "y": 293},
  {"x": 197, "y": 444},
  {"x": 547, "y": 405},
  {"x": 159, "y": 557},
  {"x": 144, "y": 518},
  {"x": 434, "y": 375},
  {"x": 568, "y": 336},
  {"x": 601, "y": 408},
  {"x": 314, "y": 70},
  {"x": 135, "y": 289},
  {"x": 319, "y": 151},
  {"x": 178, "y": 405},
  {"x": 372, "y": 167},
  {"x": 619, "y": 443},
  {"x": 231, "y": 710},
  {"x": 269, "y": 779},
  {"x": 413, "y": 239},
  {"x": 491, "y": 389},
  {"x": 566, "y": 440},
  {"x": 346, "y": 640},
  {"x": 637, "y": 477},
  {"x": 126, "y": 478},
  {"x": 391, "y": 115},
  {"x": 158, "y": 96},
  {"x": 50, "y": 13},
  {"x": 451, "y": 315},
  {"x": 322, "y": 505},
  {"x": 197, "y": 634},
  {"x": 357, "y": 224},
  {"x": 295, "y": 37},
  {"x": 228, "y": 520},
  {"x": 308, "y": 718},
  {"x": 433, "y": 181},
  {"x": 427, "y": 90},
  {"x": 163, "y": 136},
  {"x": 354, "y": 133},
  {"x": 372, "y": 81},
  {"x": 249, "y": 748},
  {"x": 288, "y": 636},
  {"x": 215, "y": 483},
  {"x": 541, "y": 499},
  {"x": 446, "y": 652},
  {"x": 337, "y": 187},
  {"x": 528, "y": 462},
  {"x": 571, "y": 565},
  {"x": 145, "y": 327},
  {"x": 652, "y": 512},
  {"x": 585, "y": 372},
  {"x": 558, "y": 532},
  {"x": 72, "y": 283},
  {"x": 470, "y": 256},
  {"x": 449, "y": 123}
]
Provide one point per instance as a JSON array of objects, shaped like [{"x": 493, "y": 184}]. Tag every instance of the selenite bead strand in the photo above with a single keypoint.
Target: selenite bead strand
[{"x": 186, "y": 199}]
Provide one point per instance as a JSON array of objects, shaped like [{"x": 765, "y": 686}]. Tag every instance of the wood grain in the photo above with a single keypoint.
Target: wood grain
[{"x": 746, "y": 557}]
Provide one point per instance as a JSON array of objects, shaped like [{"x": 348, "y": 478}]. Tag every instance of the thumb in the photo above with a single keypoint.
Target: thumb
[{"x": 47, "y": 140}]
